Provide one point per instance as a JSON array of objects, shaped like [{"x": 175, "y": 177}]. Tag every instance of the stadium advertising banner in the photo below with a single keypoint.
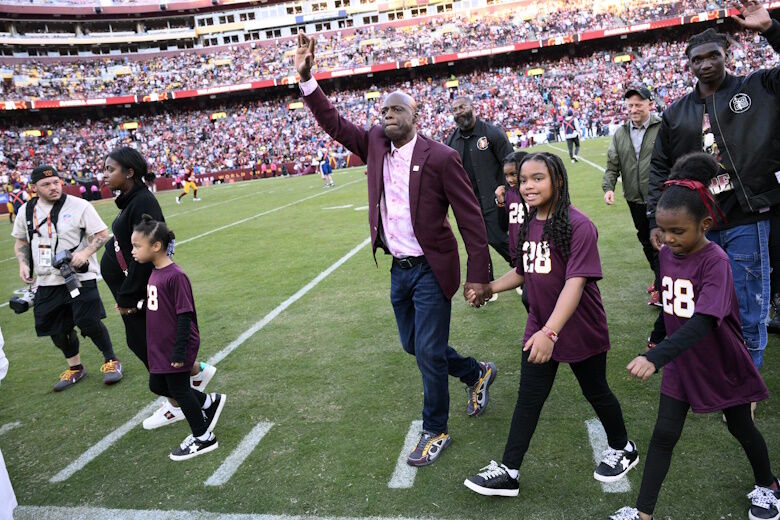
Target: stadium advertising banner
[{"x": 381, "y": 67}]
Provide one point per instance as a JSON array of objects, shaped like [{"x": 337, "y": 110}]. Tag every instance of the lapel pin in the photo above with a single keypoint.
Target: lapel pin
[{"x": 415, "y": 168}]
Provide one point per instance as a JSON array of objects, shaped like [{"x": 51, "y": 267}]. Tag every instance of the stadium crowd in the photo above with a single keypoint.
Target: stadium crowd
[
  {"x": 530, "y": 107},
  {"x": 365, "y": 46}
]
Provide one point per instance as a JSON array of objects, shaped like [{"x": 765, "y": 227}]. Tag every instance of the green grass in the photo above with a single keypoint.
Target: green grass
[{"x": 331, "y": 374}]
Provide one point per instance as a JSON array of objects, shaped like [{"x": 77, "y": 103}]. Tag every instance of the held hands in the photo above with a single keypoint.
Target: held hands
[
  {"x": 754, "y": 16},
  {"x": 477, "y": 293},
  {"x": 126, "y": 311},
  {"x": 304, "y": 56},
  {"x": 175, "y": 364},
  {"x": 609, "y": 198},
  {"x": 641, "y": 368},
  {"x": 541, "y": 348}
]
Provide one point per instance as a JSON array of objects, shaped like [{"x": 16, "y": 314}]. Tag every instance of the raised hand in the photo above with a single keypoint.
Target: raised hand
[
  {"x": 304, "y": 56},
  {"x": 753, "y": 16}
]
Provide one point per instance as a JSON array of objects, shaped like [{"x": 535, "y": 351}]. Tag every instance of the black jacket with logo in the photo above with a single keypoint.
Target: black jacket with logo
[
  {"x": 488, "y": 146},
  {"x": 745, "y": 119}
]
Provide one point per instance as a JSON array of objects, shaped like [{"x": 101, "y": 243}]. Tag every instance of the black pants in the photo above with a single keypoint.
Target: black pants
[
  {"x": 135, "y": 334},
  {"x": 668, "y": 428},
  {"x": 573, "y": 143},
  {"x": 497, "y": 238},
  {"x": 642, "y": 226},
  {"x": 535, "y": 384},
  {"x": 177, "y": 387}
]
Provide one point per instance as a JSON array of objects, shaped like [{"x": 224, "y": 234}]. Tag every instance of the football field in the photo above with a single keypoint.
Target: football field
[{"x": 320, "y": 395}]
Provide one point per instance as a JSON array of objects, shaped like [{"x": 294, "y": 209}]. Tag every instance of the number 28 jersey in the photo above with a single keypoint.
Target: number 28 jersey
[
  {"x": 717, "y": 372},
  {"x": 546, "y": 272}
]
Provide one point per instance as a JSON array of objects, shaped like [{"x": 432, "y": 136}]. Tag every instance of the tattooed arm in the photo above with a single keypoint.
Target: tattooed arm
[
  {"x": 94, "y": 243},
  {"x": 22, "y": 250}
]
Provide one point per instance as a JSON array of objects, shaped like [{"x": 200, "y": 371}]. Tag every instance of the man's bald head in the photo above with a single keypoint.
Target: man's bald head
[{"x": 399, "y": 117}]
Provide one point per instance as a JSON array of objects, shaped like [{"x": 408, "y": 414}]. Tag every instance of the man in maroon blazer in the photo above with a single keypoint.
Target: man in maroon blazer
[{"x": 412, "y": 182}]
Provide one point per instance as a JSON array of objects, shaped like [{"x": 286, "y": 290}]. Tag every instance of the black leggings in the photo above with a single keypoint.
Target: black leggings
[
  {"x": 177, "y": 386},
  {"x": 573, "y": 143},
  {"x": 668, "y": 428},
  {"x": 536, "y": 381}
]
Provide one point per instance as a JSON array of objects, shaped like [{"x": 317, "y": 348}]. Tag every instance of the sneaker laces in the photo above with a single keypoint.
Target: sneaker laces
[
  {"x": 611, "y": 456},
  {"x": 187, "y": 442},
  {"x": 422, "y": 444},
  {"x": 626, "y": 513},
  {"x": 69, "y": 373},
  {"x": 763, "y": 497},
  {"x": 109, "y": 366},
  {"x": 491, "y": 470}
]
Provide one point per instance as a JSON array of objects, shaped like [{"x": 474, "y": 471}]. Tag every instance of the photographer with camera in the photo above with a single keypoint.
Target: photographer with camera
[{"x": 56, "y": 243}]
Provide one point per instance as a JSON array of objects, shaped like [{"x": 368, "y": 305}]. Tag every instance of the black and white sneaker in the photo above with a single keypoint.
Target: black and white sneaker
[
  {"x": 212, "y": 412},
  {"x": 192, "y": 447},
  {"x": 625, "y": 513},
  {"x": 493, "y": 480},
  {"x": 616, "y": 463},
  {"x": 763, "y": 504}
]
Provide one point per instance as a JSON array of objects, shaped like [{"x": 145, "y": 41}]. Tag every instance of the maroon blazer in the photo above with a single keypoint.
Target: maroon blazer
[{"x": 439, "y": 182}]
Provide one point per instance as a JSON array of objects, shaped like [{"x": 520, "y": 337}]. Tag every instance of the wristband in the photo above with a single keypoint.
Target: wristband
[{"x": 547, "y": 331}]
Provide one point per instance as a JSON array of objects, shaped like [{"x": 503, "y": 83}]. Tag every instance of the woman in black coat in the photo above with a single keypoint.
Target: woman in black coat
[{"x": 125, "y": 170}]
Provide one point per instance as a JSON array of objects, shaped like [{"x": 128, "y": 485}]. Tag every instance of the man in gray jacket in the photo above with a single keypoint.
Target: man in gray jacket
[{"x": 629, "y": 158}]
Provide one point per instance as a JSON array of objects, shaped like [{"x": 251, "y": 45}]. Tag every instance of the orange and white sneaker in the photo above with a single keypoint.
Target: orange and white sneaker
[
  {"x": 69, "y": 378},
  {"x": 428, "y": 449},
  {"x": 112, "y": 371}
]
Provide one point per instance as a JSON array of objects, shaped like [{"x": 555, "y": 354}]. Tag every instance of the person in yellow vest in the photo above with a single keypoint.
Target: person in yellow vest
[{"x": 189, "y": 183}]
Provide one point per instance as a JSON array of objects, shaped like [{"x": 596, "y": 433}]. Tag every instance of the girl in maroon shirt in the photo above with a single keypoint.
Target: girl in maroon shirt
[
  {"x": 706, "y": 364},
  {"x": 172, "y": 337},
  {"x": 558, "y": 260}
]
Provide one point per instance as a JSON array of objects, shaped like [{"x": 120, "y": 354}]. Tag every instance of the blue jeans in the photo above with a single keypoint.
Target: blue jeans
[
  {"x": 422, "y": 314},
  {"x": 748, "y": 249}
]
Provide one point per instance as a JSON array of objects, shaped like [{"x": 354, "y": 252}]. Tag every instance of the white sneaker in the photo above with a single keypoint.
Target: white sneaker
[
  {"x": 164, "y": 415},
  {"x": 199, "y": 382},
  {"x": 519, "y": 291},
  {"x": 178, "y": 201},
  {"x": 195, "y": 200},
  {"x": 494, "y": 297}
]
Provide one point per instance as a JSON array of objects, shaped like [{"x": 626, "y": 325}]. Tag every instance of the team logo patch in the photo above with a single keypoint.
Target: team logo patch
[
  {"x": 67, "y": 217},
  {"x": 740, "y": 103},
  {"x": 482, "y": 144}
]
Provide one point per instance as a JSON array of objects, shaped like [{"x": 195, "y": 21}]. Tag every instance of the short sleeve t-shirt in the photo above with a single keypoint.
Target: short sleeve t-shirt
[
  {"x": 169, "y": 294},
  {"x": 717, "y": 372},
  {"x": 76, "y": 214},
  {"x": 513, "y": 204},
  {"x": 546, "y": 272}
]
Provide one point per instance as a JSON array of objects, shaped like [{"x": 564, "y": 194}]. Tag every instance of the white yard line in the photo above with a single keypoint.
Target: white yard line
[
  {"x": 199, "y": 207},
  {"x": 243, "y": 220},
  {"x": 403, "y": 476},
  {"x": 598, "y": 440},
  {"x": 109, "y": 440},
  {"x": 345, "y": 206},
  {"x": 8, "y": 427},
  {"x": 581, "y": 158},
  {"x": 361, "y": 208},
  {"x": 239, "y": 455},
  {"x": 100, "y": 513}
]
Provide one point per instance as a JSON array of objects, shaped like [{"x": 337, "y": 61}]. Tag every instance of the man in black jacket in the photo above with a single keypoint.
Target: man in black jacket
[
  {"x": 736, "y": 119},
  {"x": 482, "y": 148}
]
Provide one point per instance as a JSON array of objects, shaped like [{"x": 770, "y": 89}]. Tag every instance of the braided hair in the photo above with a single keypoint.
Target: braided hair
[
  {"x": 708, "y": 36},
  {"x": 156, "y": 231},
  {"x": 557, "y": 226}
]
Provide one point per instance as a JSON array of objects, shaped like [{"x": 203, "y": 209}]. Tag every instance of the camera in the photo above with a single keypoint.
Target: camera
[
  {"x": 24, "y": 301},
  {"x": 62, "y": 262}
]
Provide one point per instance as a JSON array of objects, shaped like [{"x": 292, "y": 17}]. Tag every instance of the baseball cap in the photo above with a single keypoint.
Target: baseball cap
[
  {"x": 42, "y": 172},
  {"x": 638, "y": 91}
]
